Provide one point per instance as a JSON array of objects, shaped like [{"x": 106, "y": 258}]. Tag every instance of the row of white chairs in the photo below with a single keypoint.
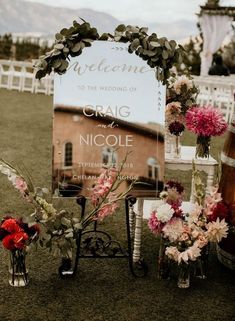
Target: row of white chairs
[
  {"x": 218, "y": 92},
  {"x": 214, "y": 90},
  {"x": 20, "y": 76}
]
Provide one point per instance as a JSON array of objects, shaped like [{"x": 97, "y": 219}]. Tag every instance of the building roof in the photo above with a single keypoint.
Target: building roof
[{"x": 153, "y": 129}]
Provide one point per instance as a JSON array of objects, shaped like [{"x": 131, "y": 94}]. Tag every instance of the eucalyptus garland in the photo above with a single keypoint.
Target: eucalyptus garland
[{"x": 159, "y": 53}]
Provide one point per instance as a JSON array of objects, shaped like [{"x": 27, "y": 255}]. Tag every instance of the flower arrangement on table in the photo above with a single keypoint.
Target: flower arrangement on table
[
  {"x": 59, "y": 228},
  {"x": 17, "y": 237},
  {"x": 185, "y": 236},
  {"x": 181, "y": 95},
  {"x": 205, "y": 121}
]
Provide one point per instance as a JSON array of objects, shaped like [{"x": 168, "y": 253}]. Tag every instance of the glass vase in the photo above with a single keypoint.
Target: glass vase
[
  {"x": 203, "y": 146},
  {"x": 176, "y": 146},
  {"x": 184, "y": 276},
  {"x": 163, "y": 270},
  {"x": 18, "y": 272},
  {"x": 201, "y": 265},
  {"x": 66, "y": 266}
]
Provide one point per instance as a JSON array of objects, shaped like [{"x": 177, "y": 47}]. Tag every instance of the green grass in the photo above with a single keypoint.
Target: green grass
[{"x": 104, "y": 290}]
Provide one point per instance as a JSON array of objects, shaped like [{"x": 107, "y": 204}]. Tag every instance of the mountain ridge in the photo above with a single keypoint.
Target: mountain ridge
[{"x": 19, "y": 16}]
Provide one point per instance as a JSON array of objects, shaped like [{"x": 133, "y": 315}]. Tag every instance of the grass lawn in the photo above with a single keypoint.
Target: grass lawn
[{"x": 104, "y": 290}]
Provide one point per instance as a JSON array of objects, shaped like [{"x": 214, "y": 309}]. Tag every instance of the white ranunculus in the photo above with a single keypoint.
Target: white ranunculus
[{"x": 164, "y": 213}]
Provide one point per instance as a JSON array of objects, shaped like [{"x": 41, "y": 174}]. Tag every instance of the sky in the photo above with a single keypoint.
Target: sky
[{"x": 143, "y": 10}]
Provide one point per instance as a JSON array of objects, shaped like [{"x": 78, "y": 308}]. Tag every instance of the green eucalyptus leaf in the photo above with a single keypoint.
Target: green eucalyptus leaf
[
  {"x": 167, "y": 45},
  {"x": 104, "y": 36},
  {"x": 59, "y": 46},
  {"x": 121, "y": 28},
  {"x": 76, "y": 47},
  {"x": 56, "y": 52},
  {"x": 181, "y": 47},
  {"x": 155, "y": 44},
  {"x": 135, "y": 43},
  {"x": 64, "y": 31},
  {"x": 162, "y": 41},
  {"x": 164, "y": 54},
  {"x": 40, "y": 74},
  {"x": 87, "y": 40},
  {"x": 59, "y": 36},
  {"x": 64, "y": 65},
  {"x": 56, "y": 63},
  {"x": 173, "y": 43},
  {"x": 66, "y": 50},
  {"x": 144, "y": 29}
]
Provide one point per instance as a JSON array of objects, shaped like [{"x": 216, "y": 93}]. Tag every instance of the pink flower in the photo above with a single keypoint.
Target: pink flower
[
  {"x": 201, "y": 241},
  {"x": 107, "y": 210},
  {"x": 20, "y": 184},
  {"x": 154, "y": 224},
  {"x": 173, "y": 229},
  {"x": 216, "y": 230},
  {"x": 205, "y": 121},
  {"x": 172, "y": 252},
  {"x": 184, "y": 237}
]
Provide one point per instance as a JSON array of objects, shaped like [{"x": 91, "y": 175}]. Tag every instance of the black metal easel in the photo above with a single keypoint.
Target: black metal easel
[{"x": 95, "y": 243}]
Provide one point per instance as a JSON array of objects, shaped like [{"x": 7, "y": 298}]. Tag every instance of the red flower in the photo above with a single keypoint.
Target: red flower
[
  {"x": 11, "y": 225},
  {"x": 176, "y": 128},
  {"x": 15, "y": 241},
  {"x": 220, "y": 211},
  {"x": 176, "y": 185},
  {"x": 205, "y": 121}
]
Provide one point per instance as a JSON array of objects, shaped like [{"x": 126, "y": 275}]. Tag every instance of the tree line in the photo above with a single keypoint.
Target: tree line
[
  {"x": 20, "y": 50},
  {"x": 25, "y": 50}
]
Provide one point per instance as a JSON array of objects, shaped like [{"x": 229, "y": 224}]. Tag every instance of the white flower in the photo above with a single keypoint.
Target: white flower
[
  {"x": 192, "y": 253},
  {"x": 156, "y": 204},
  {"x": 172, "y": 252},
  {"x": 163, "y": 194},
  {"x": 5, "y": 170},
  {"x": 173, "y": 229},
  {"x": 216, "y": 230},
  {"x": 193, "y": 216},
  {"x": 183, "y": 80},
  {"x": 164, "y": 213}
]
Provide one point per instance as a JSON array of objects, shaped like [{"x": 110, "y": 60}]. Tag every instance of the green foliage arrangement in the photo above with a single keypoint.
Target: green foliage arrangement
[
  {"x": 6, "y": 46},
  {"x": 159, "y": 53}
]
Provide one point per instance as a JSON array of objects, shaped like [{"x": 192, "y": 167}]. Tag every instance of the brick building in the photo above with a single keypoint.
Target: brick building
[{"x": 82, "y": 145}]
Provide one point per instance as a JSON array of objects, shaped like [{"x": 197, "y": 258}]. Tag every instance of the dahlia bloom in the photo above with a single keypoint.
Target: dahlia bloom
[
  {"x": 205, "y": 121},
  {"x": 164, "y": 213},
  {"x": 173, "y": 229},
  {"x": 191, "y": 253},
  {"x": 173, "y": 109},
  {"x": 154, "y": 224},
  {"x": 176, "y": 128},
  {"x": 11, "y": 225},
  {"x": 15, "y": 241},
  {"x": 180, "y": 82},
  {"x": 216, "y": 230}
]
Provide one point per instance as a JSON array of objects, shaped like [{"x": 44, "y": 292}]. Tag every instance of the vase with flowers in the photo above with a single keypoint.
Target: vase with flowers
[
  {"x": 186, "y": 236},
  {"x": 60, "y": 229},
  {"x": 16, "y": 236},
  {"x": 205, "y": 122},
  {"x": 181, "y": 94}
]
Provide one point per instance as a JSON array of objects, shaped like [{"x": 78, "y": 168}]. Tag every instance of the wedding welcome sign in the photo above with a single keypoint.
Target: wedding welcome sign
[{"x": 107, "y": 105}]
